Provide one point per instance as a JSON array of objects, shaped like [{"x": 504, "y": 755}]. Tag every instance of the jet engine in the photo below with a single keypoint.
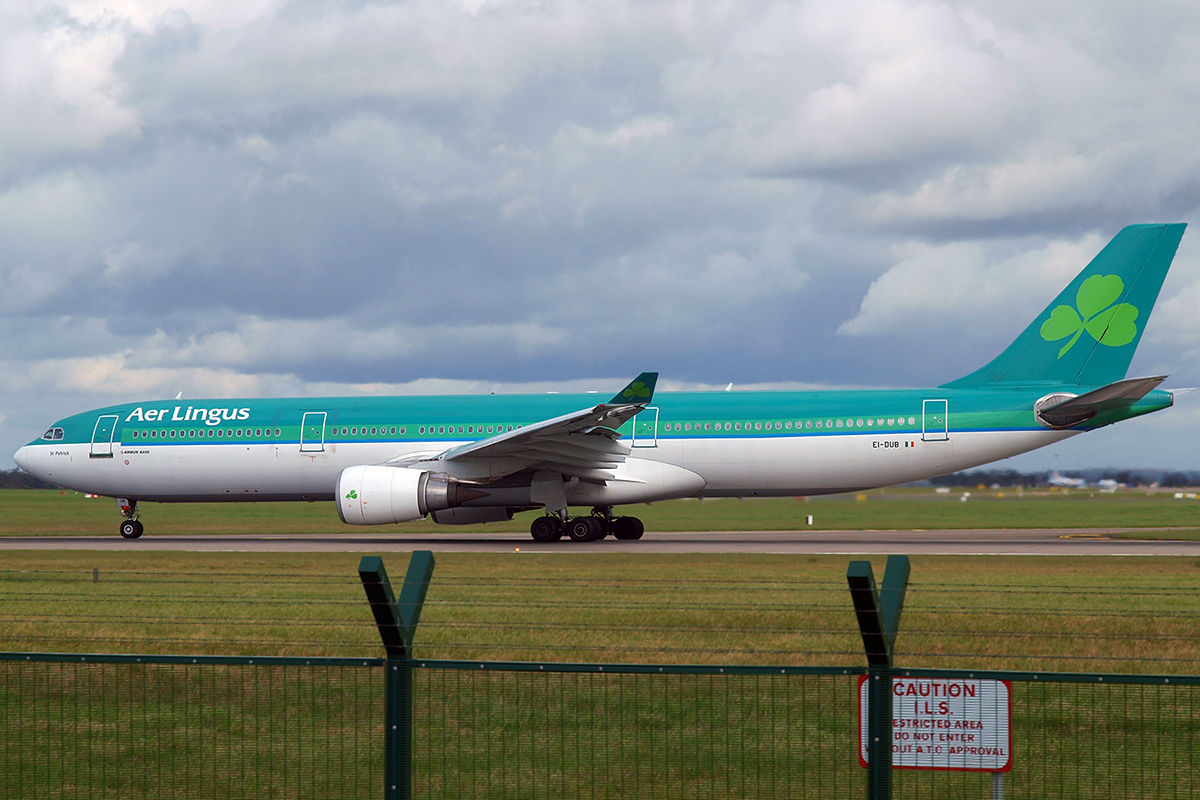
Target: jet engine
[{"x": 376, "y": 495}]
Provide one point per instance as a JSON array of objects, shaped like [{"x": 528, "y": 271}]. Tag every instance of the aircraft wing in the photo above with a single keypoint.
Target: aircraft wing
[{"x": 584, "y": 444}]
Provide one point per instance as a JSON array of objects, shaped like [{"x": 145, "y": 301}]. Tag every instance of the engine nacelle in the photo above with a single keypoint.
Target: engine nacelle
[{"x": 375, "y": 495}]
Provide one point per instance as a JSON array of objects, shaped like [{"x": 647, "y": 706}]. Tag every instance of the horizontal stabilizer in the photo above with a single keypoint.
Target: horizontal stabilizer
[{"x": 1121, "y": 394}]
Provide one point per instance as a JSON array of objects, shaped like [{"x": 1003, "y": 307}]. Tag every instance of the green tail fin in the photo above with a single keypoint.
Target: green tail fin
[{"x": 1087, "y": 336}]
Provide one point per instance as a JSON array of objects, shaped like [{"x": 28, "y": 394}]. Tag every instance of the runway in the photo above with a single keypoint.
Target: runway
[{"x": 1043, "y": 542}]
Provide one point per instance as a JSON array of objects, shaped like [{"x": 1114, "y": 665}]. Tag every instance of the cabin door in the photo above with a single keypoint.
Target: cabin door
[
  {"x": 312, "y": 432},
  {"x": 102, "y": 436},
  {"x": 934, "y": 425},
  {"x": 645, "y": 428}
]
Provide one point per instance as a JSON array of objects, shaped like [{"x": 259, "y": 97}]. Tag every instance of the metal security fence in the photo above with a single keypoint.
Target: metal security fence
[
  {"x": 137, "y": 726},
  {"x": 503, "y": 730},
  {"x": 189, "y": 727}
]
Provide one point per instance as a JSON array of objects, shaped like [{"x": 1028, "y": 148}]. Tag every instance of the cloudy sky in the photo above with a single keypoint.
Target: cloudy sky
[{"x": 271, "y": 197}]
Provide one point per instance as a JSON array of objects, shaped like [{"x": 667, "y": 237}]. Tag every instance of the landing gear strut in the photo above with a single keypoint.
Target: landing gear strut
[
  {"x": 131, "y": 527},
  {"x": 598, "y": 525}
]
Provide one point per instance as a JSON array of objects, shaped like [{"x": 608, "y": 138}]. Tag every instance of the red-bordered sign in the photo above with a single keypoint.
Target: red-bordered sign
[{"x": 945, "y": 723}]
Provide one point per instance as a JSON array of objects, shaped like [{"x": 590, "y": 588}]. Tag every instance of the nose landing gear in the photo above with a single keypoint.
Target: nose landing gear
[{"x": 131, "y": 527}]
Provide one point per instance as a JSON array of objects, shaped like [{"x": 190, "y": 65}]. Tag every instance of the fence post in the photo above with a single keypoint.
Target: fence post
[
  {"x": 397, "y": 623},
  {"x": 879, "y": 621}
]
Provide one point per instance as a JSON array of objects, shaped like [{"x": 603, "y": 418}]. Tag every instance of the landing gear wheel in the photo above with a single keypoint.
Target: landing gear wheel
[
  {"x": 131, "y": 529},
  {"x": 546, "y": 529},
  {"x": 585, "y": 529},
  {"x": 628, "y": 528}
]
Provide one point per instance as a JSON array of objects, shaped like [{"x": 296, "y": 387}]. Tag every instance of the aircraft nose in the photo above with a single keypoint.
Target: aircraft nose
[{"x": 22, "y": 458}]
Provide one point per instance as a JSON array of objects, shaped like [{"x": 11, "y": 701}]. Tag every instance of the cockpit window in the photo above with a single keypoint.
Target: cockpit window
[{"x": 53, "y": 434}]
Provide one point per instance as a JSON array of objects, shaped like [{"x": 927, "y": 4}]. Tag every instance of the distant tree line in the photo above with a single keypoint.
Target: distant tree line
[
  {"x": 1012, "y": 477},
  {"x": 15, "y": 479}
]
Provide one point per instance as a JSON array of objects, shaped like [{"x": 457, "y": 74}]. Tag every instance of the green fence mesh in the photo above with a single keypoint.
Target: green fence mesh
[
  {"x": 256, "y": 729},
  {"x": 490, "y": 732}
]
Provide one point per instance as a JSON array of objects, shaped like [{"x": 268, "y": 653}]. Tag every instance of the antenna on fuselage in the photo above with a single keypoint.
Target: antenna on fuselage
[{"x": 179, "y": 396}]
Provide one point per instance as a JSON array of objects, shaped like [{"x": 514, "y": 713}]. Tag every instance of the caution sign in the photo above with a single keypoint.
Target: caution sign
[{"x": 945, "y": 723}]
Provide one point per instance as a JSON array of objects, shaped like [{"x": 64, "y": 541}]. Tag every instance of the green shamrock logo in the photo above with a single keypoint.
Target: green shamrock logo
[
  {"x": 1107, "y": 321},
  {"x": 352, "y": 494},
  {"x": 636, "y": 389}
]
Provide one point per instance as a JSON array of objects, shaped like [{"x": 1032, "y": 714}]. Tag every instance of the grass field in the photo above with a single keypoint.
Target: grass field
[
  {"x": 1069, "y": 613},
  {"x": 46, "y": 512},
  {"x": 242, "y": 731}
]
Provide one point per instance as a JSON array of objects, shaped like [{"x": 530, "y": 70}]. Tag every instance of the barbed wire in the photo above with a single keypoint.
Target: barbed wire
[{"x": 256, "y": 578}]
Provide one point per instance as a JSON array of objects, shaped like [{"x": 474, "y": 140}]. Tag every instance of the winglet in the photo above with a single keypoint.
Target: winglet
[{"x": 640, "y": 390}]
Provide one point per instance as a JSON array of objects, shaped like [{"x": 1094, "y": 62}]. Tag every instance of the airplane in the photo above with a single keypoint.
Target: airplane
[
  {"x": 1056, "y": 479},
  {"x": 478, "y": 459}
]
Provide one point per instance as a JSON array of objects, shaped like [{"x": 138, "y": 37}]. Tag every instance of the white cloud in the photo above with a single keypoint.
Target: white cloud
[
  {"x": 56, "y": 84},
  {"x": 962, "y": 287}
]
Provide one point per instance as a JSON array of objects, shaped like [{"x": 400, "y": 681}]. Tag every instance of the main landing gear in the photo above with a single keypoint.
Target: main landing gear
[
  {"x": 131, "y": 527},
  {"x": 592, "y": 528}
]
